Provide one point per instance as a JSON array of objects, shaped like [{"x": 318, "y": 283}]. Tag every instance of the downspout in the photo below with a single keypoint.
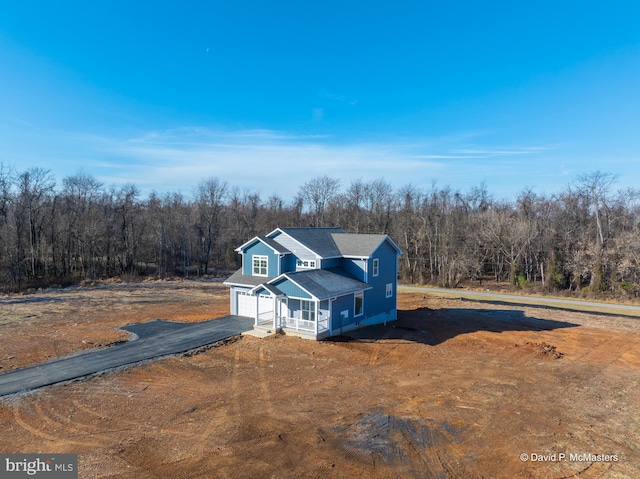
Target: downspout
[
  {"x": 366, "y": 270},
  {"x": 280, "y": 256},
  {"x": 395, "y": 290}
]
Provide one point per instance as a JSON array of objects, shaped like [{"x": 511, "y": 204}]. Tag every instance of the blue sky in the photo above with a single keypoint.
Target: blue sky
[{"x": 266, "y": 95}]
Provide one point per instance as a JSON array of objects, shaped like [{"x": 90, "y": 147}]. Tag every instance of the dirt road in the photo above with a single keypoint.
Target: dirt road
[
  {"x": 454, "y": 389},
  {"x": 517, "y": 299}
]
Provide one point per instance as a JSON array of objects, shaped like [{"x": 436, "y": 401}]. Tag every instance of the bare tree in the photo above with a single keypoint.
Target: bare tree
[
  {"x": 596, "y": 187},
  {"x": 209, "y": 201},
  {"x": 78, "y": 227},
  {"x": 34, "y": 195},
  {"x": 317, "y": 193}
]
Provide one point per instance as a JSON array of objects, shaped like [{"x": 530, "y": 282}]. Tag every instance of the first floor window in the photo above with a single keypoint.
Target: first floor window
[
  {"x": 308, "y": 310},
  {"x": 260, "y": 264},
  {"x": 389, "y": 290},
  {"x": 358, "y": 307}
]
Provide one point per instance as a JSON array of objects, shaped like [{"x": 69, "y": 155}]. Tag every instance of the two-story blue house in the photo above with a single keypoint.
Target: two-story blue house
[{"x": 316, "y": 282}]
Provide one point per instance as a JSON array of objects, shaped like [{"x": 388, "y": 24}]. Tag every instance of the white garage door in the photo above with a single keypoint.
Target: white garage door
[{"x": 246, "y": 305}]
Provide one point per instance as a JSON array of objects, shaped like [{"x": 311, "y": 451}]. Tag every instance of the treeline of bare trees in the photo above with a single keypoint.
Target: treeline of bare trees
[{"x": 585, "y": 238}]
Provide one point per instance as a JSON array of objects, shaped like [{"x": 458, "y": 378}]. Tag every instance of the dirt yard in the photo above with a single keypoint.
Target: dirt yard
[{"x": 453, "y": 389}]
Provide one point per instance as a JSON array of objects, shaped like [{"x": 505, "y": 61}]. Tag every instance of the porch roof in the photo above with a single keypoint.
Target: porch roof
[
  {"x": 269, "y": 287},
  {"x": 326, "y": 283},
  {"x": 239, "y": 279}
]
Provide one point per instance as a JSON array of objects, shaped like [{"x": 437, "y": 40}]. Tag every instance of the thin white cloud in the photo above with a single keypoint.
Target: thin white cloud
[
  {"x": 268, "y": 161},
  {"x": 317, "y": 114},
  {"x": 338, "y": 98},
  {"x": 487, "y": 153}
]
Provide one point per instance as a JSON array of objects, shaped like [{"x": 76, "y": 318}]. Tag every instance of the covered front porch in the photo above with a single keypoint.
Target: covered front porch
[{"x": 307, "y": 316}]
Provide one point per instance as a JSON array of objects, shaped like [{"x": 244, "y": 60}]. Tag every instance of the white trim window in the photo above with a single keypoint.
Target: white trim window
[
  {"x": 389, "y": 290},
  {"x": 376, "y": 267},
  {"x": 358, "y": 304},
  {"x": 308, "y": 310},
  {"x": 260, "y": 265},
  {"x": 306, "y": 264}
]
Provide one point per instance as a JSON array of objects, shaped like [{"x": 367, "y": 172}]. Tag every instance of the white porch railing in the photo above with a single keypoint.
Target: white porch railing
[
  {"x": 265, "y": 322},
  {"x": 298, "y": 324}
]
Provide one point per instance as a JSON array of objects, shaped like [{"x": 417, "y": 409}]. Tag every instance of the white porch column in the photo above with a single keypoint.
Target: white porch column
[
  {"x": 316, "y": 314},
  {"x": 276, "y": 312},
  {"x": 257, "y": 311}
]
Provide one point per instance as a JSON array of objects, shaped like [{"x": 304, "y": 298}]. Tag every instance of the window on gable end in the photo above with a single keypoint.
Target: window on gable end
[
  {"x": 376, "y": 267},
  {"x": 260, "y": 265}
]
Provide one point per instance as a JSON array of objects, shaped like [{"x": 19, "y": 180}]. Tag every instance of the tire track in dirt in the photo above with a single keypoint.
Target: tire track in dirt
[
  {"x": 38, "y": 432},
  {"x": 165, "y": 379},
  {"x": 609, "y": 350},
  {"x": 70, "y": 430},
  {"x": 210, "y": 435},
  {"x": 264, "y": 383},
  {"x": 27, "y": 427}
]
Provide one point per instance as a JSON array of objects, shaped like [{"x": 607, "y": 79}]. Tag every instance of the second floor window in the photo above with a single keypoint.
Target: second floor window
[
  {"x": 306, "y": 264},
  {"x": 260, "y": 265},
  {"x": 376, "y": 267}
]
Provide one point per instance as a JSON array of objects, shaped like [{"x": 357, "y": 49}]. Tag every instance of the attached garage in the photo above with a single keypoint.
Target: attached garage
[{"x": 246, "y": 304}]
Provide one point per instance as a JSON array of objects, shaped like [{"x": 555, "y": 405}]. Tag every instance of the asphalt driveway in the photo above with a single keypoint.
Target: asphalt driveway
[{"x": 150, "y": 340}]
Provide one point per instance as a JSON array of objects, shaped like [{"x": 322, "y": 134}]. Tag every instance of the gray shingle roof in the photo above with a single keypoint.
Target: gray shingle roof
[
  {"x": 327, "y": 283},
  {"x": 277, "y": 247},
  {"x": 240, "y": 279},
  {"x": 271, "y": 288},
  {"x": 357, "y": 244},
  {"x": 318, "y": 240}
]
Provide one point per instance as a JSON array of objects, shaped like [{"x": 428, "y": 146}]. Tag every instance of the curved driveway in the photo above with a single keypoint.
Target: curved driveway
[{"x": 152, "y": 339}]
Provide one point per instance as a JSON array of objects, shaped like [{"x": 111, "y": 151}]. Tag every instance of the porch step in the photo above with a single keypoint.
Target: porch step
[
  {"x": 264, "y": 331},
  {"x": 260, "y": 332}
]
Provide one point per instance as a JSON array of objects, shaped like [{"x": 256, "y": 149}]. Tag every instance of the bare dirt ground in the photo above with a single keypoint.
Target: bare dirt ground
[{"x": 454, "y": 389}]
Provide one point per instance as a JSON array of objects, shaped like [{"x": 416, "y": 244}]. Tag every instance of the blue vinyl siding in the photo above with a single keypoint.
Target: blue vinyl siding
[
  {"x": 288, "y": 263},
  {"x": 355, "y": 267},
  {"x": 343, "y": 303},
  {"x": 375, "y": 299},
  {"x": 331, "y": 263},
  {"x": 262, "y": 292},
  {"x": 291, "y": 289},
  {"x": 260, "y": 249}
]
